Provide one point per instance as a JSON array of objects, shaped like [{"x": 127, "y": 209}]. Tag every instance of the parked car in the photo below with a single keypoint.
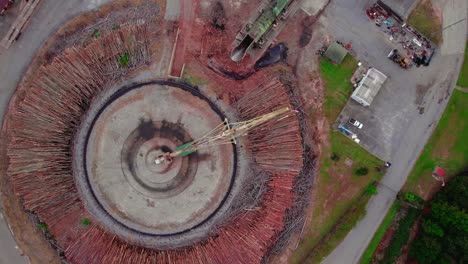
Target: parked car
[{"x": 355, "y": 123}]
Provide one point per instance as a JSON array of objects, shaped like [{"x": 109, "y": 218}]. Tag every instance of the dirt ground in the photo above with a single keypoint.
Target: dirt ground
[{"x": 427, "y": 19}]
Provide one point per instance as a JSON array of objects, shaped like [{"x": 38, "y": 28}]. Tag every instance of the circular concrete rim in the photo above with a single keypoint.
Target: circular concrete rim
[
  {"x": 106, "y": 221},
  {"x": 139, "y": 120}
]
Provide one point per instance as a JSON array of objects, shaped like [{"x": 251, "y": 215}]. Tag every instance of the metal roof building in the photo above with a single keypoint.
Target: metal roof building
[
  {"x": 336, "y": 53},
  {"x": 368, "y": 87}
]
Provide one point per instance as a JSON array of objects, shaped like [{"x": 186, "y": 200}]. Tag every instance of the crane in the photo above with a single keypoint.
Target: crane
[{"x": 224, "y": 133}]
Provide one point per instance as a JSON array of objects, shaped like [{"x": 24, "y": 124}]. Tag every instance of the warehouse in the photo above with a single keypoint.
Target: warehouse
[{"x": 368, "y": 87}]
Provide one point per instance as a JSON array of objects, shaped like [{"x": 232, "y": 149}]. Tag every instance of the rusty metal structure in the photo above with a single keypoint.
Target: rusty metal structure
[{"x": 269, "y": 13}]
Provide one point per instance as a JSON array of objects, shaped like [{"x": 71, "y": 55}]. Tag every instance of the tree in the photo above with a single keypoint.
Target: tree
[
  {"x": 425, "y": 250},
  {"x": 443, "y": 236},
  {"x": 432, "y": 228},
  {"x": 449, "y": 215},
  {"x": 456, "y": 245},
  {"x": 455, "y": 193}
]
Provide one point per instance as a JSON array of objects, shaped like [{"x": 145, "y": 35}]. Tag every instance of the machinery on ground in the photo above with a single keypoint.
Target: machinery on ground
[
  {"x": 254, "y": 33},
  {"x": 224, "y": 133}
]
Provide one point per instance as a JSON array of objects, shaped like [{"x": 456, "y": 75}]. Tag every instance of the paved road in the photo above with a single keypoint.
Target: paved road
[
  {"x": 8, "y": 252},
  {"x": 13, "y": 62},
  {"x": 407, "y": 143}
]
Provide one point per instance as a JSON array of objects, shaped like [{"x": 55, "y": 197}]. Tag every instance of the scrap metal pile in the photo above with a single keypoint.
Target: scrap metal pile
[
  {"x": 44, "y": 117},
  {"x": 416, "y": 47}
]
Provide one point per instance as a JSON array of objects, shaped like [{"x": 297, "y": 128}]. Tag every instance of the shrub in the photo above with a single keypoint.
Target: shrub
[
  {"x": 414, "y": 199},
  {"x": 85, "y": 221},
  {"x": 123, "y": 60},
  {"x": 334, "y": 157},
  {"x": 362, "y": 171},
  {"x": 42, "y": 226},
  {"x": 371, "y": 190},
  {"x": 410, "y": 197},
  {"x": 96, "y": 33}
]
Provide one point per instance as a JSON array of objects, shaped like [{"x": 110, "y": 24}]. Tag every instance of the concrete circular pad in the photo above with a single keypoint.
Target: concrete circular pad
[{"x": 128, "y": 131}]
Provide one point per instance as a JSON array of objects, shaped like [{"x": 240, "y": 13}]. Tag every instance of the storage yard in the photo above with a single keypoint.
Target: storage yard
[
  {"x": 117, "y": 166},
  {"x": 201, "y": 131}
]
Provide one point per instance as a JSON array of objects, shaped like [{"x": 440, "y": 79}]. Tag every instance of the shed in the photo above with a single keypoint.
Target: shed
[
  {"x": 439, "y": 175},
  {"x": 439, "y": 172},
  {"x": 368, "y": 87},
  {"x": 336, "y": 52}
]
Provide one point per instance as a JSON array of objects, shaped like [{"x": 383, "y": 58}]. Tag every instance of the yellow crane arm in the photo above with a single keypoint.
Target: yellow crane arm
[{"x": 225, "y": 133}]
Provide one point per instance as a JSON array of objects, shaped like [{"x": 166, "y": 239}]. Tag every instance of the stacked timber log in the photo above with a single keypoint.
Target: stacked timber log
[{"x": 46, "y": 116}]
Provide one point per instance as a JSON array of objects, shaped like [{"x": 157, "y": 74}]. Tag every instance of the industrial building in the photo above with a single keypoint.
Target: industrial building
[{"x": 368, "y": 87}]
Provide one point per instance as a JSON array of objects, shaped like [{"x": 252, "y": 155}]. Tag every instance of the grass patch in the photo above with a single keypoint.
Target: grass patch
[
  {"x": 446, "y": 148},
  {"x": 123, "y": 60},
  {"x": 379, "y": 234},
  {"x": 463, "y": 79},
  {"x": 338, "y": 189},
  {"x": 337, "y": 83},
  {"x": 339, "y": 231},
  {"x": 425, "y": 20},
  {"x": 192, "y": 79},
  {"x": 361, "y": 158}
]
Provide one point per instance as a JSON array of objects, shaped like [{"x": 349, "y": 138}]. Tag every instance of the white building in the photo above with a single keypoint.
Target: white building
[{"x": 368, "y": 87}]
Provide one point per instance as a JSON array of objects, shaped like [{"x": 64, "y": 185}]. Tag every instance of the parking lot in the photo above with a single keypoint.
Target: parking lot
[{"x": 404, "y": 97}]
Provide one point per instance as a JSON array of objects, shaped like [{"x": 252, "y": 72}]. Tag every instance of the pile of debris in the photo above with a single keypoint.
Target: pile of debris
[{"x": 412, "y": 44}]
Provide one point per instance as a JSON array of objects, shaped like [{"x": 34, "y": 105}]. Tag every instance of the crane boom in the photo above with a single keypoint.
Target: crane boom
[{"x": 224, "y": 133}]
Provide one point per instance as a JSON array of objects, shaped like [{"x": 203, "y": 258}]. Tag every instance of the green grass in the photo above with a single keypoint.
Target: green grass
[
  {"x": 337, "y": 83},
  {"x": 446, "y": 148},
  {"x": 345, "y": 147},
  {"x": 379, "y": 234},
  {"x": 192, "y": 79},
  {"x": 424, "y": 20},
  {"x": 463, "y": 79},
  {"x": 335, "y": 195},
  {"x": 339, "y": 231}
]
